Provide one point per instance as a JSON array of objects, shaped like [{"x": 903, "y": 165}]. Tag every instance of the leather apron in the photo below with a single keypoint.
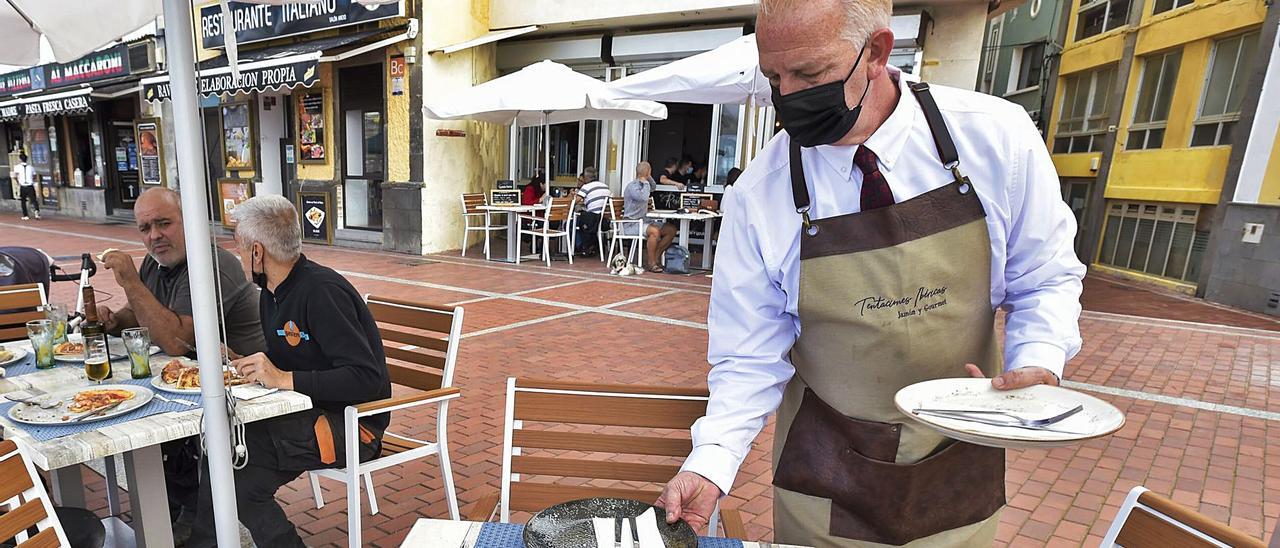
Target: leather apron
[{"x": 888, "y": 297}]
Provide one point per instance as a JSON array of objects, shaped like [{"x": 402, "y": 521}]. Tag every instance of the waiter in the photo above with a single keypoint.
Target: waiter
[{"x": 864, "y": 250}]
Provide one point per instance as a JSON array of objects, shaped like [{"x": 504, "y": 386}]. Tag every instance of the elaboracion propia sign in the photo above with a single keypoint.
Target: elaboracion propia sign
[{"x": 267, "y": 78}]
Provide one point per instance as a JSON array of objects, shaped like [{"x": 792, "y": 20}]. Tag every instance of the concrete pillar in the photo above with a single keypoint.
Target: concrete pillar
[{"x": 953, "y": 47}]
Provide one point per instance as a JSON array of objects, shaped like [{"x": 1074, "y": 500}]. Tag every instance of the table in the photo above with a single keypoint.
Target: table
[
  {"x": 137, "y": 440},
  {"x": 685, "y": 219},
  {"x": 463, "y": 534},
  {"x": 513, "y": 223}
]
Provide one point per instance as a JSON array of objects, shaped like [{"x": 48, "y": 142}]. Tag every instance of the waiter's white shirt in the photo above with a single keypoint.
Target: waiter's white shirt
[
  {"x": 753, "y": 323},
  {"x": 26, "y": 174}
]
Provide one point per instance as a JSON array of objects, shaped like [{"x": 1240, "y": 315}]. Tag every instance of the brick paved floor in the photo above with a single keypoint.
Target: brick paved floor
[{"x": 1200, "y": 384}]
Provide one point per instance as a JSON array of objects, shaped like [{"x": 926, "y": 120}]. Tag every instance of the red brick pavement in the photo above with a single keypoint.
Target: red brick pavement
[{"x": 1217, "y": 462}]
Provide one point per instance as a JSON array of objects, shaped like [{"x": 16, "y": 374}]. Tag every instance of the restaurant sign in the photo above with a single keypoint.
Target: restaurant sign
[
  {"x": 259, "y": 22},
  {"x": 274, "y": 77},
  {"x": 9, "y": 112},
  {"x": 99, "y": 65},
  {"x": 18, "y": 81},
  {"x": 79, "y": 103}
]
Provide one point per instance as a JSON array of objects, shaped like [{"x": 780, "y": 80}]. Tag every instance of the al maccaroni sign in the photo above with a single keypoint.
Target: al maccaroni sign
[{"x": 258, "y": 22}]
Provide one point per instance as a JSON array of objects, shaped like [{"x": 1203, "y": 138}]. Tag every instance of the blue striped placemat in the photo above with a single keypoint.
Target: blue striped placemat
[{"x": 511, "y": 535}]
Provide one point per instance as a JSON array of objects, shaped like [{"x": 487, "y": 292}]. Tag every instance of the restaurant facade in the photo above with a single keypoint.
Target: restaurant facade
[{"x": 79, "y": 124}]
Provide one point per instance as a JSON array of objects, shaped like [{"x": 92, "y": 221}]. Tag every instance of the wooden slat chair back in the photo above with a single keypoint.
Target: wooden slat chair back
[
  {"x": 1148, "y": 520},
  {"x": 18, "y": 305},
  {"x": 420, "y": 342},
  {"x": 612, "y": 210},
  {"x": 559, "y": 209},
  {"x": 471, "y": 203},
  {"x": 25, "y": 504},
  {"x": 659, "y": 410}
]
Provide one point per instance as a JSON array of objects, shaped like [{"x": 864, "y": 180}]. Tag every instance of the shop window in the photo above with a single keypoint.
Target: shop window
[
  {"x": 575, "y": 146},
  {"x": 1157, "y": 239},
  {"x": 991, "y": 53},
  {"x": 1166, "y": 5},
  {"x": 1228, "y": 75},
  {"x": 1100, "y": 16},
  {"x": 1086, "y": 108},
  {"x": 1028, "y": 67},
  {"x": 1155, "y": 92}
]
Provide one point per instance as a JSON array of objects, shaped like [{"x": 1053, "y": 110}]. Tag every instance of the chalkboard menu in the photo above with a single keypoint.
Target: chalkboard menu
[
  {"x": 692, "y": 201},
  {"x": 504, "y": 197},
  {"x": 316, "y": 216},
  {"x": 311, "y": 129},
  {"x": 506, "y": 184}
]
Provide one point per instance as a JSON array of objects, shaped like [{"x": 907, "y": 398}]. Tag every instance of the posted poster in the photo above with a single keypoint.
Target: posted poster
[
  {"x": 317, "y": 223},
  {"x": 311, "y": 129},
  {"x": 237, "y": 136},
  {"x": 150, "y": 165},
  {"x": 231, "y": 193}
]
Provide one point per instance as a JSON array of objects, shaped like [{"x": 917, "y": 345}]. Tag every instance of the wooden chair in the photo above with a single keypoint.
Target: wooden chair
[
  {"x": 558, "y": 210},
  {"x": 430, "y": 361},
  {"x": 471, "y": 212},
  {"x": 26, "y": 505},
  {"x": 1148, "y": 520},
  {"x": 659, "y": 408},
  {"x": 622, "y": 230},
  {"x": 18, "y": 305}
]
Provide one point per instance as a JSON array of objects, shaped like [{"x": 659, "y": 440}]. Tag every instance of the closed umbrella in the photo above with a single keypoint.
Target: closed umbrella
[
  {"x": 729, "y": 74},
  {"x": 543, "y": 93}
]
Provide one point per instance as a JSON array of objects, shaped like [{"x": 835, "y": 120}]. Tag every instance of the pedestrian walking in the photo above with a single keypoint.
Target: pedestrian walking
[{"x": 26, "y": 176}]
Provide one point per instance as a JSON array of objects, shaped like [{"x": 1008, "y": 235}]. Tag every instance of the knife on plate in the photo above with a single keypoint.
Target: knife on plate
[
  {"x": 991, "y": 422},
  {"x": 98, "y": 411}
]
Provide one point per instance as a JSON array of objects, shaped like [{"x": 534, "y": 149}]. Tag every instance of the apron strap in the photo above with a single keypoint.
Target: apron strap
[
  {"x": 799, "y": 186},
  {"x": 938, "y": 128}
]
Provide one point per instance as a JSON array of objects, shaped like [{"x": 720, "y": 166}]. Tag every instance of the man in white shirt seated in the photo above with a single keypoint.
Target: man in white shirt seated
[
  {"x": 594, "y": 196},
  {"x": 865, "y": 249}
]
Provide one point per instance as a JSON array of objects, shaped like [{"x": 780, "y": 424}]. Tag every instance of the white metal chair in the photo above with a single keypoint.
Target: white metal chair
[
  {"x": 19, "y": 303},
  {"x": 26, "y": 504},
  {"x": 429, "y": 364},
  {"x": 558, "y": 210},
  {"x": 1148, "y": 520},
  {"x": 661, "y": 409},
  {"x": 471, "y": 211},
  {"x": 625, "y": 229},
  {"x": 605, "y": 229}
]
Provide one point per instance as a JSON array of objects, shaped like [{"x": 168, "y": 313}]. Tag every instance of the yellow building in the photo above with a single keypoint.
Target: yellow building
[{"x": 1145, "y": 116}]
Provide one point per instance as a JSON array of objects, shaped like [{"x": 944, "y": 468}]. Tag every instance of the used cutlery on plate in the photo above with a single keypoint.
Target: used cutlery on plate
[
  {"x": 34, "y": 400},
  {"x": 1019, "y": 420},
  {"x": 993, "y": 422},
  {"x": 98, "y": 411}
]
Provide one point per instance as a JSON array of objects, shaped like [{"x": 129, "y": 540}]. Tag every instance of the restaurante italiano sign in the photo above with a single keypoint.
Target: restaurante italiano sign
[{"x": 259, "y": 22}]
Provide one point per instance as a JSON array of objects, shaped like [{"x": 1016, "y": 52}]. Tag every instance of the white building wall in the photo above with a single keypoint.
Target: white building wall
[
  {"x": 953, "y": 46},
  {"x": 581, "y": 13}
]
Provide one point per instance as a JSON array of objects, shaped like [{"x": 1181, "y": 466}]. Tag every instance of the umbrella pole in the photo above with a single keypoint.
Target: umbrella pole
[
  {"x": 546, "y": 152},
  {"x": 204, "y": 304}
]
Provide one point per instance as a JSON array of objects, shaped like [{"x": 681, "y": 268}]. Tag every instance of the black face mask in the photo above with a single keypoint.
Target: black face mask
[{"x": 819, "y": 115}]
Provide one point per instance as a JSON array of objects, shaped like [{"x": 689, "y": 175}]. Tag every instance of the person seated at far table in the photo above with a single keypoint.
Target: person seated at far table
[
  {"x": 322, "y": 341},
  {"x": 593, "y": 194},
  {"x": 671, "y": 173},
  {"x": 533, "y": 192},
  {"x": 635, "y": 205}
]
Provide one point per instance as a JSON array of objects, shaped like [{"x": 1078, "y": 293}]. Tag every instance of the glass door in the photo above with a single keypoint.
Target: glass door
[
  {"x": 124, "y": 162},
  {"x": 364, "y": 137}
]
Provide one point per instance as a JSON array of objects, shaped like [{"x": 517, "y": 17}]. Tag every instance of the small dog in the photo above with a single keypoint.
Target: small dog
[{"x": 620, "y": 267}]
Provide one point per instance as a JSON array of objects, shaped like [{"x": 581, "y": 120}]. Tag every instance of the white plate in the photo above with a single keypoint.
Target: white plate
[
  {"x": 33, "y": 414},
  {"x": 1098, "y": 418},
  {"x": 18, "y": 355},
  {"x": 157, "y": 366}
]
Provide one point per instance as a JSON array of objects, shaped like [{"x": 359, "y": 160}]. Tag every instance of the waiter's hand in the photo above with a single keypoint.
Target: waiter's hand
[
  {"x": 1021, "y": 377},
  {"x": 258, "y": 368},
  {"x": 690, "y": 497}
]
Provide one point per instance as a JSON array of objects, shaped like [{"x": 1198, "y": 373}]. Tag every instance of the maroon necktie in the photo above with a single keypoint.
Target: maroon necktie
[{"x": 875, "y": 189}]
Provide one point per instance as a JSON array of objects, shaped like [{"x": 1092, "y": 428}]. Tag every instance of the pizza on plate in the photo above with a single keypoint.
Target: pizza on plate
[
  {"x": 185, "y": 377},
  {"x": 89, "y": 400},
  {"x": 6, "y": 355},
  {"x": 69, "y": 349}
]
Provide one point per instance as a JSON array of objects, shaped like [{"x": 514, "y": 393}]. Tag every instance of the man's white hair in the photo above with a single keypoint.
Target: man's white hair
[
  {"x": 271, "y": 221},
  {"x": 861, "y": 17}
]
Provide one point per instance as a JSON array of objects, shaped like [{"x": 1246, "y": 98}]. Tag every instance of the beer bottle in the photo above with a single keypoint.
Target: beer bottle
[{"x": 91, "y": 325}]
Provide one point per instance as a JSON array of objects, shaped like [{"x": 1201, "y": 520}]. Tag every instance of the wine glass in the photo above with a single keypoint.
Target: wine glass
[{"x": 97, "y": 363}]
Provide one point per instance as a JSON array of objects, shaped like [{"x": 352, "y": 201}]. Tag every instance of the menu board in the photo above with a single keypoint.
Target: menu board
[
  {"x": 311, "y": 129},
  {"x": 506, "y": 184},
  {"x": 504, "y": 197},
  {"x": 237, "y": 136},
  {"x": 692, "y": 201},
  {"x": 149, "y": 164},
  {"x": 315, "y": 214},
  {"x": 231, "y": 193}
]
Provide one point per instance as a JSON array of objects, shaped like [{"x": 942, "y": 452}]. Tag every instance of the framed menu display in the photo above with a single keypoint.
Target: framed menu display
[
  {"x": 315, "y": 213},
  {"x": 506, "y": 184},
  {"x": 692, "y": 201},
  {"x": 311, "y": 128},
  {"x": 231, "y": 193},
  {"x": 237, "y": 136},
  {"x": 504, "y": 197},
  {"x": 150, "y": 151}
]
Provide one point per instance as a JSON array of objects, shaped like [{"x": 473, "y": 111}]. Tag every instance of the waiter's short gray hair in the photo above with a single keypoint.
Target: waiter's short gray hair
[
  {"x": 861, "y": 17},
  {"x": 271, "y": 221}
]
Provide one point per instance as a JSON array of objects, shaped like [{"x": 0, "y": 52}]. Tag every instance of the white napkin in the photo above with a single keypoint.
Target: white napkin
[
  {"x": 647, "y": 523},
  {"x": 604, "y": 532},
  {"x": 248, "y": 392}
]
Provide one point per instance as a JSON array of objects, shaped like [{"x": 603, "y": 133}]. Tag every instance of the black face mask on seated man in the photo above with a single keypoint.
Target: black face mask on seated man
[{"x": 819, "y": 115}]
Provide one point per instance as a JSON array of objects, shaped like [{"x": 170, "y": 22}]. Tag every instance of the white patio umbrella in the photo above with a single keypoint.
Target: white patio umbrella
[
  {"x": 72, "y": 28},
  {"x": 543, "y": 93},
  {"x": 729, "y": 74}
]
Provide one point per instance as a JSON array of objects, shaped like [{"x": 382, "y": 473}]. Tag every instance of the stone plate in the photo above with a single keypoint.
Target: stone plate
[{"x": 568, "y": 525}]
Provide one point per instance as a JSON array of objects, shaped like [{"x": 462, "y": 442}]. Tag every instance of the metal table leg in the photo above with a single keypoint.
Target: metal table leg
[
  {"x": 113, "y": 489},
  {"x": 513, "y": 232},
  {"x": 708, "y": 228},
  {"x": 68, "y": 486},
  {"x": 148, "y": 499}
]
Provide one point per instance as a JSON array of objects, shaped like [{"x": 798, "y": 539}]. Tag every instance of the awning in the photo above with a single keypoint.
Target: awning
[
  {"x": 278, "y": 67},
  {"x": 488, "y": 38},
  {"x": 50, "y": 104}
]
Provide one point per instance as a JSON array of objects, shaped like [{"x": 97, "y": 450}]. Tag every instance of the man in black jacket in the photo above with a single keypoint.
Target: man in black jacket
[{"x": 321, "y": 341}]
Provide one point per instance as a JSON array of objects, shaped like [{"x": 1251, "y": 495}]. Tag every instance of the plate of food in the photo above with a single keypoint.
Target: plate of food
[
  {"x": 570, "y": 524},
  {"x": 182, "y": 376},
  {"x": 72, "y": 351},
  {"x": 1041, "y": 416},
  {"x": 84, "y": 404},
  {"x": 11, "y": 355}
]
